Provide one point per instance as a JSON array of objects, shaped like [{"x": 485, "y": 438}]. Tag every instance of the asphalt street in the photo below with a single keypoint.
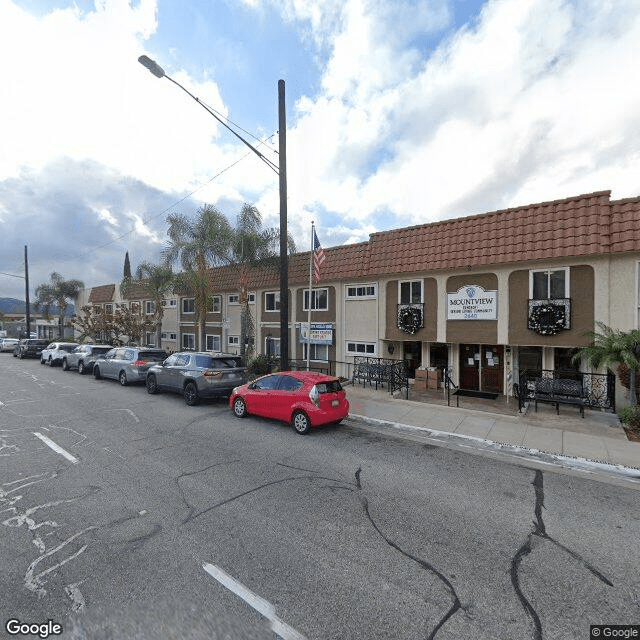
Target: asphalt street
[{"x": 129, "y": 515}]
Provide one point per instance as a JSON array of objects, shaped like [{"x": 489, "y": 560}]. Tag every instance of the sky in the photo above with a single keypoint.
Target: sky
[{"x": 399, "y": 112}]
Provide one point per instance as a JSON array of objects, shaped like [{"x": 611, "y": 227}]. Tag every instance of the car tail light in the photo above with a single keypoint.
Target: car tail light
[
  {"x": 212, "y": 374},
  {"x": 314, "y": 396},
  {"x": 140, "y": 363}
]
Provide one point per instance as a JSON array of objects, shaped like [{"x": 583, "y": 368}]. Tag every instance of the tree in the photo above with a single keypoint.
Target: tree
[
  {"x": 157, "y": 281},
  {"x": 612, "y": 347},
  {"x": 57, "y": 291},
  {"x": 252, "y": 246},
  {"x": 126, "y": 272},
  {"x": 94, "y": 324},
  {"x": 131, "y": 325},
  {"x": 197, "y": 245}
]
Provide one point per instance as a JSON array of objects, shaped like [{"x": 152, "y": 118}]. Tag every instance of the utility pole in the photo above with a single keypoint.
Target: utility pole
[
  {"x": 26, "y": 294},
  {"x": 284, "y": 255}
]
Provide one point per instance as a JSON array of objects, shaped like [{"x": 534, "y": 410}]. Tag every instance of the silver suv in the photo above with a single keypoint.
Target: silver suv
[
  {"x": 55, "y": 352},
  {"x": 84, "y": 356},
  {"x": 127, "y": 364},
  {"x": 197, "y": 375}
]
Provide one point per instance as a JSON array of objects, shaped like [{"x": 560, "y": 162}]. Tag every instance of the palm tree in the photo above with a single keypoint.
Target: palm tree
[
  {"x": 612, "y": 347},
  {"x": 57, "y": 291},
  {"x": 157, "y": 281},
  {"x": 197, "y": 245},
  {"x": 251, "y": 246}
]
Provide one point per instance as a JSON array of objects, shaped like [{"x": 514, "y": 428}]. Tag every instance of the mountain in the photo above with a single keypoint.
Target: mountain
[{"x": 13, "y": 305}]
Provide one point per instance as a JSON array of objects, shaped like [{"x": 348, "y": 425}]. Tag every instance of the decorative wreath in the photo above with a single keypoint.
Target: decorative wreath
[
  {"x": 547, "y": 319},
  {"x": 409, "y": 319}
]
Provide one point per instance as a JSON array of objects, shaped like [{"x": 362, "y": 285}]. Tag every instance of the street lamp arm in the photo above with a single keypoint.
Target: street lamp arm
[{"x": 158, "y": 71}]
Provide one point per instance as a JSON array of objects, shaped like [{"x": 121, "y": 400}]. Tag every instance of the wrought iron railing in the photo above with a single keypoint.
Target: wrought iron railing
[
  {"x": 598, "y": 389},
  {"x": 381, "y": 371}
]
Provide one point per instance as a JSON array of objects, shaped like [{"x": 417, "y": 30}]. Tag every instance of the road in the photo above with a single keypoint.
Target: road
[{"x": 124, "y": 515}]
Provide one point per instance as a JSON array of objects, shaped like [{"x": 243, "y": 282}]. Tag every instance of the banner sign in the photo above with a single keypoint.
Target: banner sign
[
  {"x": 472, "y": 302},
  {"x": 321, "y": 333}
]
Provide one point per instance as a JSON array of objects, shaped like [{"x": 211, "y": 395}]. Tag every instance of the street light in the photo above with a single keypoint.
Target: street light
[{"x": 281, "y": 170}]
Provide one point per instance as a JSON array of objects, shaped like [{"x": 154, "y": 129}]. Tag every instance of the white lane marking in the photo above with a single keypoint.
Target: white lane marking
[
  {"x": 56, "y": 448},
  {"x": 133, "y": 415},
  {"x": 254, "y": 601}
]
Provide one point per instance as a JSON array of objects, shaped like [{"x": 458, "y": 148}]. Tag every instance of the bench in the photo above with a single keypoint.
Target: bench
[{"x": 559, "y": 391}]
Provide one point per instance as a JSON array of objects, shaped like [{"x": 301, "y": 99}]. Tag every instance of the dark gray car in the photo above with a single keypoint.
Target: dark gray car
[
  {"x": 84, "y": 356},
  {"x": 197, "y": 375},
  {"x": 127, "y": 364}
]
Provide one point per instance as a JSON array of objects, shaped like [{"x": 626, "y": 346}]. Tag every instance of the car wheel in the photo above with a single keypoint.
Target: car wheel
[
  {"x": 301, "y": 423},
  {"x": 191, "y": 394},
  {"x": 239, "y": 408},
  {"x": 335, "y": 423},
  {"x": 152, "y": 384},
  {"x": 65, "y": 365},
  {"x": 122, "y": 378},
  {"x": 96, "y": 373},
  {"x": 81, "y": 368},
  {"x": 50, "y": 362}
]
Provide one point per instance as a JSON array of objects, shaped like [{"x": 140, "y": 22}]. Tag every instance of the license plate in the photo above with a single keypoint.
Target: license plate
[{"x": 335, "y": 403}]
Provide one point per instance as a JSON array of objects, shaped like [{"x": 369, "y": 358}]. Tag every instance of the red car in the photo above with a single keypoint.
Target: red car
[{"x": 303, "y": 398}]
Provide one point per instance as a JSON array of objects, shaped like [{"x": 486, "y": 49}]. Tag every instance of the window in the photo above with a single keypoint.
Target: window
[
  {"x": 252, "y": 298},
  {"x": 168, "y": 336},
  {"x": 272, "y": 301},
  {"x": 135, "y": 307},
  {"x": 188, "y": 340},
  {"x": 233, "y": 341},
  {"x": 272, "y": 346},
  {"x": 288, "y": 383},
  {"x": 188, "y": 305},
  {"x": 361, "y": 291},
  {"x": 318, "y": 352},
  {"x": 149, "y": 307},
  {"x": 361, "y": 349},
  {"x": 410, "y": 292},
  {"x": 319, "y": 300},
  {"x": 214, "y": 304},
  {"x": 108, "y": 309},
  {"x": 171, "y": 303},
  {"x": 151, "y": 339},
  {"x": 548, "y": 284},
  {"x": 213, "y": 343},
  {"x": 268, "y": 383},
  {"x": 233, "y": 298}
]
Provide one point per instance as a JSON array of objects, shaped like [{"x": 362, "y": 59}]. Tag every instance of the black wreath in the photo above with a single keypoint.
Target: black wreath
[
  {"x": 547, "y": 319},
  {"x": 409, "y": 319}
]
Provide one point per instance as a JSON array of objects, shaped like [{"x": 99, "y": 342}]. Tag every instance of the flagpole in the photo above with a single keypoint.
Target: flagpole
[{"x": 309, "y": 309}]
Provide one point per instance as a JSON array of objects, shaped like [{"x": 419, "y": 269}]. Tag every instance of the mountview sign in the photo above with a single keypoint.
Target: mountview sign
[{"x": 472, "y": 302}]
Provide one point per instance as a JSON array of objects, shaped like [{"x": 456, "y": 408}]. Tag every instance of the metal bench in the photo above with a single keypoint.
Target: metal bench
[{"x": 559, "y": 391}]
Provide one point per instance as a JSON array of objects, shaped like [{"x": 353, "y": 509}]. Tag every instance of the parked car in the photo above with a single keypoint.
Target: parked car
[
  {"x": 84, "y": 356},
  {"x": 197, "y": 375},
  {"x": 55, "y": 352},
  {"x": 31, "y": 348},
  {"x": 8, "y": 344},
  {"x": 304, "y": 398},
  {"x": 127, "y": 364}
]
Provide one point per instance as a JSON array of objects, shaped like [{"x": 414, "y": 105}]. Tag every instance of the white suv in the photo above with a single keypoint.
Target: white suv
[{"x": 55, "y": 352}]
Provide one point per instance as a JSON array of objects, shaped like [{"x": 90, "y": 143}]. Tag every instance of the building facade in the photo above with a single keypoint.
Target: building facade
[{"x": 484, "y": 296}]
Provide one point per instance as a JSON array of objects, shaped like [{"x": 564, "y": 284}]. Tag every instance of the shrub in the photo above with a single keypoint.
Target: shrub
[
  {"x": 630, "y": 416},
  {"x": 262, "y": 365}
]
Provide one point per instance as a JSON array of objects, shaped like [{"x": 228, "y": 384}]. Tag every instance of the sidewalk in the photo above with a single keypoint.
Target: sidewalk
[{"x": 598, "y": 437}]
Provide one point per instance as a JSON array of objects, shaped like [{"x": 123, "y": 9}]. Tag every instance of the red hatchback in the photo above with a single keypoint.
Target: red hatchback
[{"x": 303, "y": 398}]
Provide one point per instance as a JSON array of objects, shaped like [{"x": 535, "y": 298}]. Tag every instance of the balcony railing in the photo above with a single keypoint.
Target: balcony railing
[{"x": 549, "y": 317}]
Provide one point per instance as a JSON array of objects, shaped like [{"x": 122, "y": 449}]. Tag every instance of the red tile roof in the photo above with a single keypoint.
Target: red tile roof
[{"x": 102, "y": 294}]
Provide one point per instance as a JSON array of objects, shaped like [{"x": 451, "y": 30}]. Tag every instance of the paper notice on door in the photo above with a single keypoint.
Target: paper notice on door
[{"x": 470, "y": 362}]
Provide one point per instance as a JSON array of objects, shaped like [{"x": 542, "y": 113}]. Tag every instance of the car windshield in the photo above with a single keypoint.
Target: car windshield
[
  {"x": 99, "y": 350},
  {"x": 331, "y": 386},
  {"x": 67, "y": 347}
]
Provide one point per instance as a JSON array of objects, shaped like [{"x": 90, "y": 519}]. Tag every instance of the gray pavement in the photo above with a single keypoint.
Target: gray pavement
[{"x": 597, "y": 438}]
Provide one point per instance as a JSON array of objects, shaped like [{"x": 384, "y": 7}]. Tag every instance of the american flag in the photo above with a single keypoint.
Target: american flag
[{"x": 318, "y": 256}]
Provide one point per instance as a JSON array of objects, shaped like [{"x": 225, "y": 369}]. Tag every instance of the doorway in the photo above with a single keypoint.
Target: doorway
[
  {"x": 482, "y": 367},
  {"x": 412, "y": 353}
]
